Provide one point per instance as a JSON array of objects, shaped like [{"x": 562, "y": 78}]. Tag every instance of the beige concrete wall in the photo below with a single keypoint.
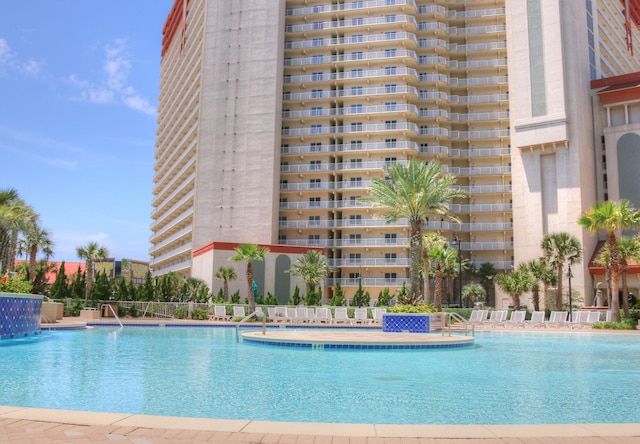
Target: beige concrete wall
[{"x": 239, "y": 134}]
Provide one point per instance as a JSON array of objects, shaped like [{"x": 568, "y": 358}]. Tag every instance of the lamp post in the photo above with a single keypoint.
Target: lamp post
[
  {"x": 456, "y": 241},
  {"x": 570, "y": 275}
]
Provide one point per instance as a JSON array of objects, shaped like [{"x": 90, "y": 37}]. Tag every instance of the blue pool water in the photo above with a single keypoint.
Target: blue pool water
[{"x": 506, "y": 378}]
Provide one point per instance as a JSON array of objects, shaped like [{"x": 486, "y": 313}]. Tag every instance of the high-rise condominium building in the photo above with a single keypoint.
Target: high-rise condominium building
[{"x": 275, "y": 115}]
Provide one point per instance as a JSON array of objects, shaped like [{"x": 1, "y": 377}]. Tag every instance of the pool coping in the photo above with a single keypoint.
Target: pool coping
[{"x": 72, "y": 417}]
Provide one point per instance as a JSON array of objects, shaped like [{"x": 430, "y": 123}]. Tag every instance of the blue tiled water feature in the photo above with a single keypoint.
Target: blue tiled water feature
[{"x": 19, "y": 315}]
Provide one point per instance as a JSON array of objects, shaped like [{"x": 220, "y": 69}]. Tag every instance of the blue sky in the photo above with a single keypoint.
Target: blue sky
[{"x": 78, "y": 95}]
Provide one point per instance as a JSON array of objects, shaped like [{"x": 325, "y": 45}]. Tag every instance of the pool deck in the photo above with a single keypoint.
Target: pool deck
[{"x": 33, "y": 425}]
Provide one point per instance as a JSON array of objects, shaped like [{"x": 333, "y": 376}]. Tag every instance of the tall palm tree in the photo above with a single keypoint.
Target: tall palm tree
[
  {"x": 450, "y": 270},
  {"x": 515, "y": 284},
  {"x": 430, "y": 241},
  {"x": 439, "y": 256},
  {"x": 628, "y": 249},
  {"x": 558, "y": 249},
  {"x": 34, "y": 239},
  {"x": 226, "y": 274},
  {"x": 312, "y": 268},
  {"x": 247, "y": 253},
  {"x": 91, "y": 253},
  {"x": 414, "y": 192},
  {"x": 486, "y": 272},
  {"x": 15, "y": 217},
  {"x": 541, "y": 273},
  {"x": 611, "y": 217}
]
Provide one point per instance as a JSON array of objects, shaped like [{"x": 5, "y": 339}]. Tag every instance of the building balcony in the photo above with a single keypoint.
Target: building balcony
[
  {"x": 478, "y": 117},
  {"x": 308, "y": 205},
  {"x": 318, "y": 77},
  {"x": 477, "y": 64},
  {"x": 305, "y": 224},
  {"x": 359, "y": 40},
  {"x": 176, "y": 252},
  {"x": 481, "y": 208},
  {"x": 371, "y": 262},
  {"x": 370, "y": 242},
  {"x": 477, "y": 47},
  {"x": 481, "y": 171},
  {"x": 328, "y": 9},
  {"x": 173, "y": 225},
  {"x": 308, "y": 186},
  {"x": 367, "y": 282},
  {"x": 158, "y": 248},
  {"x": 182, "y": 265},
  {"x": 467, "y": 227},
  {"x": 477, "y": 13},
  {"x": 475, "y": 30},
  {"x": 395, "y": 21}
]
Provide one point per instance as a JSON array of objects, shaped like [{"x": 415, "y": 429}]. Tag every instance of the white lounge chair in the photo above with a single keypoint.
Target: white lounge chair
[
  {"x": 219, "y": 314},
  {"x": 557, "y": 319},
  {"x": 341, "y": 316},
  {"x": 291, "y": 315},
  {"x": 377, "y": 315},
  {"x": 537, "y": 319},
  {"x": 478, "y": 316},
  {"x": 516, "y": 320},
  {"x": 594, "y": 316},
  {"x": 577, "y": 319},
  {"x": 323, "y": 315},
  {"x": 496, "y": 317},
  {"x": 238, "y": 312},
  {"x": 361, "y": 316},
  {"x": 276, "y": 315},
  {"x": 302, "y": 315}
]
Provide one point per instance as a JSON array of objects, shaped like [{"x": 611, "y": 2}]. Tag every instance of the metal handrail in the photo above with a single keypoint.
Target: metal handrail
[
  {"x": 112, "y": 311},
  {"x": 446, "y": 323},
  {"x": 256, "y": 313}
]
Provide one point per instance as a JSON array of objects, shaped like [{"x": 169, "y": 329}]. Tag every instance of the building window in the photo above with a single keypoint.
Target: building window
[
  {"x": 356, "y": 38},
  {"x": 315, "y": 147},
  {"x": 316, "y": 128},
  {"x": 390, "y": 238},
  {"x": 316, "y": 76},
  {"x": 354, "y": 258},
  {"x": 356, "y": 182},
  {"x": 356, "y": 163},
  {"x": 315, "y": 165},
  {"x": 355, "y": 239},
  {"x": 355, "y": 219},
  {"x": 356, "y": 73},
  {"x": 390, "y": 277},
  {"x": 318, "y": 25},
  {"x": 356, "y": 55},
  {"x": 390, "y": 35},
  {"x": 389, "y": 160},
  {"x": 390, "y": 18},
  {"x": 391, "y": 143},
  {"x": 390, "y": 258},
  {"x": 356, "y": 126},
  {"x": 357, "y": 21},
  {"x": 353, "y": 201},
  {"x": 390, "y": 70},
  {"x": 390, "y": 88},
  {"x": 314, "y": 239},
  {"x": 318, "y": 41},
  {"x": 390, "y": 124},
  {"x": 391, "y": 106},
  {"x": 317, "y": 59},
  {"x": 316, "y": 111},
  {"x": 356, "y": 90},
  {"x": 356, "y": 109},
  {"x": 356, "y": 145},
  {"x": 314, "y": 183},
  {"x": 314, "y": 221},
  {"x": 389, "y": 52},
  {"x": 314, "y": 201}
]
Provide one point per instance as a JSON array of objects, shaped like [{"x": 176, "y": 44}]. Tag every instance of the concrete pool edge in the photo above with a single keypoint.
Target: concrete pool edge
[{"x": 72, "y": 417}]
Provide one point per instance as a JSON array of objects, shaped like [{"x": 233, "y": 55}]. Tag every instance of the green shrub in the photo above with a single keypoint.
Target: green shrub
[
  {"x": 624, "y": 324},
  {"x": 200, "y": 314},
  {"x": 295, "y": 298},
  {"x": 384, "y": 297},
  {"x": 235, "y": 297},
  {"x": 338, "y": 299},
  {"x": 420, "y": 308},
  {"x": 181, "y": 313},
  {"x": 312, "y": 298},
  {"x": 271, "y": 299}
]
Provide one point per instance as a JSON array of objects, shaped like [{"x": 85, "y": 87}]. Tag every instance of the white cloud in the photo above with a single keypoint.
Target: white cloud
[
  {"x": 10, "y": 62},
  {"x": 115, "y": 87}
]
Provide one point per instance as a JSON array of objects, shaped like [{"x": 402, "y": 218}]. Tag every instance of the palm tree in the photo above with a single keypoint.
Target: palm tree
[
  {"x": 440, "y": 256},
  {"x": 91, "y": 253},
  {"x": 611, "y": 217},
  {"x": 560, "y": 248},
  {"x": 486, "y": 272},
  {"x": 628, "y": 249},
  {"x": 450, "y": 269},
  {"x": 226, "y": 274},
  {"x": 515, "y": 283},
  {"x": 473, "y": 292},
  {"x": 34, "y": 239},
  {"x": 15, "y": 217},
  {"x": 414, "y": 192},
  {"x": 429, "y": 242},
  {"x": 247, "y": 253},
  {"x": 312, "y": 268},
  {"x": 540, "y": 272}
]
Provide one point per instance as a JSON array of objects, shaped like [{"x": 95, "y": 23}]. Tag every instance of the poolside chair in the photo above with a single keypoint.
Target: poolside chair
[
  {"x": 577, "y": 318},
  {"x": 291, "y": 315},
  {"x": 238, "y": 312},
  {"x": 607, "y": 316},
  {"x": 537, "y": 319},
  {"x": 341, "y": 316},
  {"x": 377, "y": 315},
  {"x": 323, "y": 315},
  {"x": 219, "y": 314},
  {"x": 275, "y": 315},
  {"x": 557, "y": 319},
  {"x": 496, "y": 317},
  {"x": 594, "y": 316},
  {"x": 516, "y": 320},
  {"x": 302, "y": 315},
  {"x": 480, "y": 316},
  {"x": 361, "y": 316}
]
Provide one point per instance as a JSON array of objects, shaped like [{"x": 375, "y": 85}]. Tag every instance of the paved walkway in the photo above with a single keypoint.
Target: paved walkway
[{"x": 26, "y": 425}]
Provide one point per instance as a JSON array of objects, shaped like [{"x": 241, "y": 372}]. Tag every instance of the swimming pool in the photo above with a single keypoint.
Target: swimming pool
[{"x": 506, "y": 378}]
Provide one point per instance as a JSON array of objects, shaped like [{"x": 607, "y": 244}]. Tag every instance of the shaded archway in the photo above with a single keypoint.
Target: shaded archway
[{"x": 283, "y": 279}]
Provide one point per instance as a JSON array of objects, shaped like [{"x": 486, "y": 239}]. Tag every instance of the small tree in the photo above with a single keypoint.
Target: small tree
[
  {"x": 472, "y": 293},
  {"x": 384, "y": 297},
  {"x": 101, "y": 289},
  {"x": 60, "y": 287},
  {"x": 312, "y": 268},
  {"x": 248, "y": 253},
  {"x": 515, "y": 283},
  {"x": 338, "y": 298},
  {"x": 78, "y": 285},
  {"x": 226, "y": 274},
  {"x": 91, "y": 253}
]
